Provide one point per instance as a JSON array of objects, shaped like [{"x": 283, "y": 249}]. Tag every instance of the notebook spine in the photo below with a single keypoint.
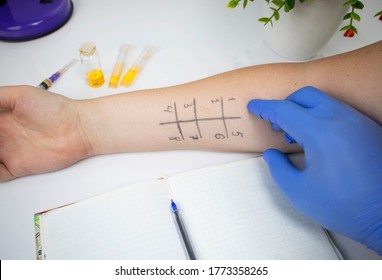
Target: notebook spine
[{"x": 37, "y": 229}]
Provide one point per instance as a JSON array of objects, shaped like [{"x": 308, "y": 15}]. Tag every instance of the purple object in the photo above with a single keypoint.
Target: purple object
[
  {"x": 22, "y": 20},
  {"x": 55, "y": 77}
]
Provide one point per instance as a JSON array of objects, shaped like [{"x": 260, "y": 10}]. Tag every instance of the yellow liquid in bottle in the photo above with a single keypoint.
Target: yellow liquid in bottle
[
  {"x": 130, "y": 75},
  {"x": 95, "y": 78}
]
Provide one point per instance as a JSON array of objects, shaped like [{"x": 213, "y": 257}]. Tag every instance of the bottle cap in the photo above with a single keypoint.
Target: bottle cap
[{"x": 87, "y": 48}]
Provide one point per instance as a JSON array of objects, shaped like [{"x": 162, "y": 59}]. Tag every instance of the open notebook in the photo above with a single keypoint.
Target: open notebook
[{"x": 231, "y": 211}]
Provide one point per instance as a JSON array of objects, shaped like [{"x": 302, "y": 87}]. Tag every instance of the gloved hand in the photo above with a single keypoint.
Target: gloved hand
[{"x": 341, "y": 185}]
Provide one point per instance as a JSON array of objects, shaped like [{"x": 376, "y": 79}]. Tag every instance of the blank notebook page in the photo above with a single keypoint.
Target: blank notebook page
[
  {"x": 235, "y": 211},
  {"x": 134, "y": 222}
]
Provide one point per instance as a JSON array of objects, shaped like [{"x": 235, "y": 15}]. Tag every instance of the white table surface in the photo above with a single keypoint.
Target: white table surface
[{"x": 193, "y": 39}]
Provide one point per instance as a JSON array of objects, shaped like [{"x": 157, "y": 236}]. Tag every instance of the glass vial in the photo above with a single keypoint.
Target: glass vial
[{"x": 92, "y": 65}]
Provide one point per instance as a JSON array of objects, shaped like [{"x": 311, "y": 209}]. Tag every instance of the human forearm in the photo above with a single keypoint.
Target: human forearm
[
  {"x": 353, "y": 77},
  {"x": 211, "y": 113},
  {"x": 206, "y": 115}
]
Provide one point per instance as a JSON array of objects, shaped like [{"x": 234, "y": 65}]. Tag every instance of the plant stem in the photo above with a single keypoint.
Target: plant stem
[
  {"x": 274, "y": 12},
  {"x": 351, "y": 18}
]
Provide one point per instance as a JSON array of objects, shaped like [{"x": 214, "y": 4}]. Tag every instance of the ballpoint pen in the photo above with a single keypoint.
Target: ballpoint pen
[
  {"x": 133, "y": 71},
  {"x": 47, "y": 83},
  {"x": 182, "y": 231}
]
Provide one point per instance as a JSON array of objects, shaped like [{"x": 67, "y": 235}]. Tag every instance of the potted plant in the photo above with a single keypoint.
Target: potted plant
[{"x": 309, "y": 25}]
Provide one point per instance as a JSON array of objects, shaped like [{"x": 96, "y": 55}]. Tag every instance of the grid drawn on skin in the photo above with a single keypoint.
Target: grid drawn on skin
[
  {"x": 250, "y": 221},
  {"x": 181, "y": 122},
  {"x": 104, "y": 228}
]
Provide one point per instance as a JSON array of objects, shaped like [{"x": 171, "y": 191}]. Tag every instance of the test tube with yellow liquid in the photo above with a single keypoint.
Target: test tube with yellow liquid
[
  {"x": 91, "y": 62},
  {"x": 118, "y": 67},
  {"x": 133, "y": 71}
]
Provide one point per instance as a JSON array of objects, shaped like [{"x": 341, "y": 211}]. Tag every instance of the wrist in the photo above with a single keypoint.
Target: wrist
[{"x": 90, "y": 126}]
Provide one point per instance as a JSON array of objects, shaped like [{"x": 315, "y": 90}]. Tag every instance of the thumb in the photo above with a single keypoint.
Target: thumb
[{"x": 285, "y": 174}]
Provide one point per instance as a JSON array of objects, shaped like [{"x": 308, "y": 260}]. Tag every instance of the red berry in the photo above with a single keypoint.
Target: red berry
[
  {"x": 349, "y": 33},
  {"x": 380, "y": 18}
]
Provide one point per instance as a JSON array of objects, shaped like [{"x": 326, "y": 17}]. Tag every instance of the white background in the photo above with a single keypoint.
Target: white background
[{"x": 193, "y": 39}]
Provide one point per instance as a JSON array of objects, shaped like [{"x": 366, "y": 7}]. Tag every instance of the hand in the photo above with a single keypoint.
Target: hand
[
  {"x": 39, "y": 132},
  {"x": 341, "y": 185}
]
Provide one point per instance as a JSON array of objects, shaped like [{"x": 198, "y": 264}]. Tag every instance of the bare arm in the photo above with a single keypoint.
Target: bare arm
[
  {"x": 211, "y": 113},
  {"x": 42, "y": 131}
]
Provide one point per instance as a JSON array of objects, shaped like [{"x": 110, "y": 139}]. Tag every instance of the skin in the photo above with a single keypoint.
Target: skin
[{"x": 52, "y": 131}]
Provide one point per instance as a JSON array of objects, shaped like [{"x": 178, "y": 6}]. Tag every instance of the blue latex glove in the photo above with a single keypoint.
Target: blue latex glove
[{"x": 341, "y": 186}]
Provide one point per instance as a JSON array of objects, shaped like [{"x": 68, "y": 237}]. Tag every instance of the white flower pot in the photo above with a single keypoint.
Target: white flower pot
[{"x": 303, "y": 31}]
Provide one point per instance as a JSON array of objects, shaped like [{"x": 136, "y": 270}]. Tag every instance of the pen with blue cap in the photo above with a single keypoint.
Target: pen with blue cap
[{"x": 182, "y": 231}]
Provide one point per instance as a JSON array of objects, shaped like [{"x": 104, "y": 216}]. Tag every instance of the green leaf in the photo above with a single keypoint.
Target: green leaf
[
  {"x": 245, "y": 3},
  {"x": 347, "y": 16},
  {"x": 290, "y": 4},
  {"x": 351, "y": 2},
  {"x": 354, "y": 29},
  {"x": 278, "y": 3},
  {"x": 233, "y": 4},
  {"x": 345, "y": 27},
  {"x": 358, "y": 5},
  {"x": 265, "y": 20},
  {"x": 355, "y": 16},
  {"x": 277, "y": 16},
  {"x": 378, "y": 14}
]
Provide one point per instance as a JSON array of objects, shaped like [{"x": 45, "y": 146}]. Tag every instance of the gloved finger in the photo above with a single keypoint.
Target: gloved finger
[
  {"x": 309, "y": 97},
  {"x": 285, "y": 174},
  {"x": 276, "y": 127},
  {"x": 290, "y": 117},
  {"x": 289, "y": 139}
]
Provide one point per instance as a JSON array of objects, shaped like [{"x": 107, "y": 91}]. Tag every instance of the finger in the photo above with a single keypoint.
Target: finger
[
  {"x": 5, "y": 174},
  {"x": 276, "y": 127},
  {"x": 287, "y": 137},
  {"x": 287, "y": 115},
  {"x": 285, "y": 174},
  {"x": 309, "y": 97}
]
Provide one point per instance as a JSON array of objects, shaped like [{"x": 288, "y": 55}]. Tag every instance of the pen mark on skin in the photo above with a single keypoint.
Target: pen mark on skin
[
  {"x": 199, "y": 120},
  {"x": 222, "y": 109},
  {"x": 177, "y": 121},
  {"x": 196, "y": 119},
  {"x": 187, "y": 106}
]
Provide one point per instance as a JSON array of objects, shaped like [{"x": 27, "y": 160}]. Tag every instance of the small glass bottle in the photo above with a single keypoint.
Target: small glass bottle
[{"x": 92, "y": 65}]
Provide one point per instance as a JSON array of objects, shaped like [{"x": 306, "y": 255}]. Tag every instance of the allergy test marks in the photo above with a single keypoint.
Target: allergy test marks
[{"x": 187, "y": 120}]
